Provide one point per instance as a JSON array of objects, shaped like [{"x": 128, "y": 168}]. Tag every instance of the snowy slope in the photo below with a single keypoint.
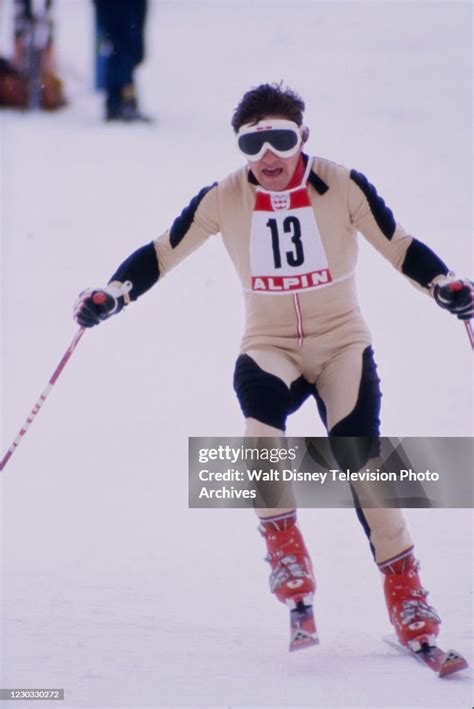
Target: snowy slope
[{"x": 111, "y": 587}]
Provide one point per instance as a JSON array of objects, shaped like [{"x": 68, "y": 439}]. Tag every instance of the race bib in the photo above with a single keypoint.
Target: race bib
[{"x": 286, "y": 251}]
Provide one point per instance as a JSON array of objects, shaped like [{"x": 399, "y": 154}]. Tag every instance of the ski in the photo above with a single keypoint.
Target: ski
[
  {"x": 441, "y": 662},
  {"x": 303, "y": 631}
]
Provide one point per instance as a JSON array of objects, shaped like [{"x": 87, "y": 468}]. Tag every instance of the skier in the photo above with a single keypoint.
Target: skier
[{"x": 290, "y": 223}]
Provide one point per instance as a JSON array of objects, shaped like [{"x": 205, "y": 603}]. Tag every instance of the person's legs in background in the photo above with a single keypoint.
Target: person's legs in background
[{"x": 122, "y": 24}]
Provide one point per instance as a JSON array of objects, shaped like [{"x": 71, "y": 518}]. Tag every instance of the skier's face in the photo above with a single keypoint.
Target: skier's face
[{"x": 273, "y": 172}]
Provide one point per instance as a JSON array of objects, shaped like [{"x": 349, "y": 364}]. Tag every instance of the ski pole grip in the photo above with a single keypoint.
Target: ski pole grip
[{"x": 100, "y": 296}]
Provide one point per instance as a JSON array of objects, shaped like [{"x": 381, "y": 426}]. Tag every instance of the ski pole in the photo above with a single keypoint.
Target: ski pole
[
  {"x": 98, "y": 297},
  {"x": 470, "y": 332},
  {"x": 42, "y": 398}
]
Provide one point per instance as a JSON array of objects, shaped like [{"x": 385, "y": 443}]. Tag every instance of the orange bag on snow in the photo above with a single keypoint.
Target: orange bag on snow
[{"x": 15, "y": 90}]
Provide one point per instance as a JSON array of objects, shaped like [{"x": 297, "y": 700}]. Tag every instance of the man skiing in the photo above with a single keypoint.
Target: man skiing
[{"x": 289, "y": 223}]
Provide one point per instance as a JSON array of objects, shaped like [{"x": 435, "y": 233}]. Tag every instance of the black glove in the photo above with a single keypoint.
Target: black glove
[
  {"x": 457, "y": 297},
  {"x": 95, "y": 305}
]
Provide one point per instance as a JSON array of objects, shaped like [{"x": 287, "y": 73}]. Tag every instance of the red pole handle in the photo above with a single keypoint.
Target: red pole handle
[{"x": 99, "y": 298}]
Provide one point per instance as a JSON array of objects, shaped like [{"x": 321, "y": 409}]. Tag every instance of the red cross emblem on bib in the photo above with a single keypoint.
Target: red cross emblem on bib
[{"x": 286, "y": 251}]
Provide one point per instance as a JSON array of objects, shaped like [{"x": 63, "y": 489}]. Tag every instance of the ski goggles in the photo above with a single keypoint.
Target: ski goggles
[{"x": 280, "y": 136}]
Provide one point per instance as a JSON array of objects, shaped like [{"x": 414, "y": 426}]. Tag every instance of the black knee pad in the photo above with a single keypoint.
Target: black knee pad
[
  {"x": 355, "y": 439},
  {"x": 364, "y": 419},
  {"x": 261, "y": 395}
]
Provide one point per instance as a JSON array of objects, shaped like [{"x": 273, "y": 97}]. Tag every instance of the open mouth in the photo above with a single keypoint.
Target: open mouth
[{"x": 272, "y": 171}]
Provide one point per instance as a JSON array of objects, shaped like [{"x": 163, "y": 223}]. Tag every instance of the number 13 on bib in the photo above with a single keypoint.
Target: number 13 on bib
[{"x": 286, "y": 251}]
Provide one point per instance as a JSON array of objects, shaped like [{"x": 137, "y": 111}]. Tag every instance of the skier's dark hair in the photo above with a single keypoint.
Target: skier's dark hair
[{"x": 268, "y": 100}]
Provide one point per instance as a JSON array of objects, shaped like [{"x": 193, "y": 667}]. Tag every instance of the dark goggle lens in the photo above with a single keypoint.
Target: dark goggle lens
[{"x": 251, "y": 143}]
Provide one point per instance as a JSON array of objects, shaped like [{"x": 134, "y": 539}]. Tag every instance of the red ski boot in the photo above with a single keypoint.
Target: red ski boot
[
  {"x": 291, "y": 578},
  {"x": 292, "y": 571},
  {"x": 415, "y": 622}
]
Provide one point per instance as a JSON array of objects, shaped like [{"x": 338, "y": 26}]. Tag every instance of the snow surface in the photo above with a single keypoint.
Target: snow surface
[{"x": 111, "y": 587}]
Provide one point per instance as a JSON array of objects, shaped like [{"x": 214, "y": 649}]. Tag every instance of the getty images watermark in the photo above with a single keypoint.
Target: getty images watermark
[{"x": 322, "y": 472}]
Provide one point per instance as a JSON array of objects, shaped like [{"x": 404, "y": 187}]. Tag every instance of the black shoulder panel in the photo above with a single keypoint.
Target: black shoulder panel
[
  {"x": 182, "y": 223},
  {"x": 319, "y": 185},
  {"x": 421, "y": 264},
  {"x": 382, "y": 214},
  {"x": 141, "y": 268}
]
